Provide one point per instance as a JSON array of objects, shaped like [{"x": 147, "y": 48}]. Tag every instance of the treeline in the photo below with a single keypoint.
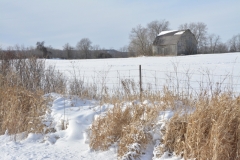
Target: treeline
[
  {"x": 141, "y": 39},
  {"x": 68, "y": 52}
]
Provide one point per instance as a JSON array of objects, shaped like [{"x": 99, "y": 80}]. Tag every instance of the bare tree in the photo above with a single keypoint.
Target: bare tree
[
  {"x": 234, "y": 43},
  {"x": 84, "y": 46},
  {"x": 123, "y": 49},
  {"x": 43, "y": 49},
  {"x": 68, "y": 49},
  {"x": 1, "y": 51},
  {"x": 222, "y": 48},
  {"x": 238, "y": 42},
  {"x": 155, "y": 27},
  {"x": 122, "y": 52},
  {"x": 95, "y": 51},
  {"x": 139, "y": 42},
  {"x": 96, "y": 47},
  {"x": 199, "y": 29},
  {"x": 214, "y": 41},
  {"x": 141, "y": 38}
]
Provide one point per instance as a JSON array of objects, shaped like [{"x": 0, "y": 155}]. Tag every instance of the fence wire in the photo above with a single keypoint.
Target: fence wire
[{"x": 156, "y": 80}]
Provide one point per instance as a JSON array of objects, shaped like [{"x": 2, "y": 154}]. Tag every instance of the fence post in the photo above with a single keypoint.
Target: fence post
[{"x": 140, "y": 82}]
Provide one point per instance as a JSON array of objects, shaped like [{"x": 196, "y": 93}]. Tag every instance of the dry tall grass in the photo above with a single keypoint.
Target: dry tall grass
[
  {"x": 21, "y": 110},
  {"x": 23, "y": 83},
  {"x": 129, "y": 127},
  {"x": 212, "y": 131}
]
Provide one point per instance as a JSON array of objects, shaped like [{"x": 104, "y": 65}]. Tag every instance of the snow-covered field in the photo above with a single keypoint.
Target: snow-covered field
[
  {"x": 157, "y": 70},
  {"x": 72, "y": 143}
]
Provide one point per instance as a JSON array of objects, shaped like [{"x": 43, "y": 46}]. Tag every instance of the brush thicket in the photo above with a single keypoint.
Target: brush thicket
[{"x": 31, "y": 74}]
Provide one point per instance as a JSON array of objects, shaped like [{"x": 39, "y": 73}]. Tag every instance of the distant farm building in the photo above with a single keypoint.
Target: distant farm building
[{"x": 174, "y": 43}]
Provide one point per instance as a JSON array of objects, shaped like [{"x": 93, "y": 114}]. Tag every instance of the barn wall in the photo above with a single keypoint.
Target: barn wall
[
  {"x": 168, "y": 50},
  {"x": 155, "y": 50},
  {"x": 187, "y": 44}
]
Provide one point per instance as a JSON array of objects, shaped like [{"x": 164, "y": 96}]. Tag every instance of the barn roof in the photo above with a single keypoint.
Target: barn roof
[{"x": 168, "y": 37}]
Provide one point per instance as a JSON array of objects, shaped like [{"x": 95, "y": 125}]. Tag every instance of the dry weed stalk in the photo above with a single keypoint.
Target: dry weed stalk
[
  {"x": 130, "y": 89},
  {"x": 31, "y": 74}
]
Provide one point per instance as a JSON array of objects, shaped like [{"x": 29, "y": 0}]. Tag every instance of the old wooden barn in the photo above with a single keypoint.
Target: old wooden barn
[{"x": 175, "y": 43}]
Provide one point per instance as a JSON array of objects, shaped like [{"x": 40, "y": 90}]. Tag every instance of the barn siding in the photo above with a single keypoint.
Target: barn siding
[
  {"x": 168, "y": 50},
  {"x": 155, "y": 50},
  {"x": 187, "y": 44}
]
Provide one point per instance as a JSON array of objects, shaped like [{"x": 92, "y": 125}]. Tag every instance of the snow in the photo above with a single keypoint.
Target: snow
[
  {"x": 77, "y": 115},
  {"x": 165, "y": 32},
  {"x": 179, "y": 33}
]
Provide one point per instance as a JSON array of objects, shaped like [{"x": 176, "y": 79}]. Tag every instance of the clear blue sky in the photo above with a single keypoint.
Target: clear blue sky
[{"x": 107, "y": 22}]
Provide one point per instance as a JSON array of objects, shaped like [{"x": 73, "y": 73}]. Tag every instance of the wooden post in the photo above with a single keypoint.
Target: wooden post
[{"x": 140, "y": 82}]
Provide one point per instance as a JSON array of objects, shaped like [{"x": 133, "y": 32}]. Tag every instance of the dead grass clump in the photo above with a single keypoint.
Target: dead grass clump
[
  {"x": 107, "y": 129},
  {"x": 134, "y": 139},
  {"x": 21, "y": 110},
  {"x": 212, "y": 131},
  {"x": 217, "y": 129},
  {"x": 168, "y": 99},
  {"x": 129, "y": 127},
  {"x": 174, "y": 139}
]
